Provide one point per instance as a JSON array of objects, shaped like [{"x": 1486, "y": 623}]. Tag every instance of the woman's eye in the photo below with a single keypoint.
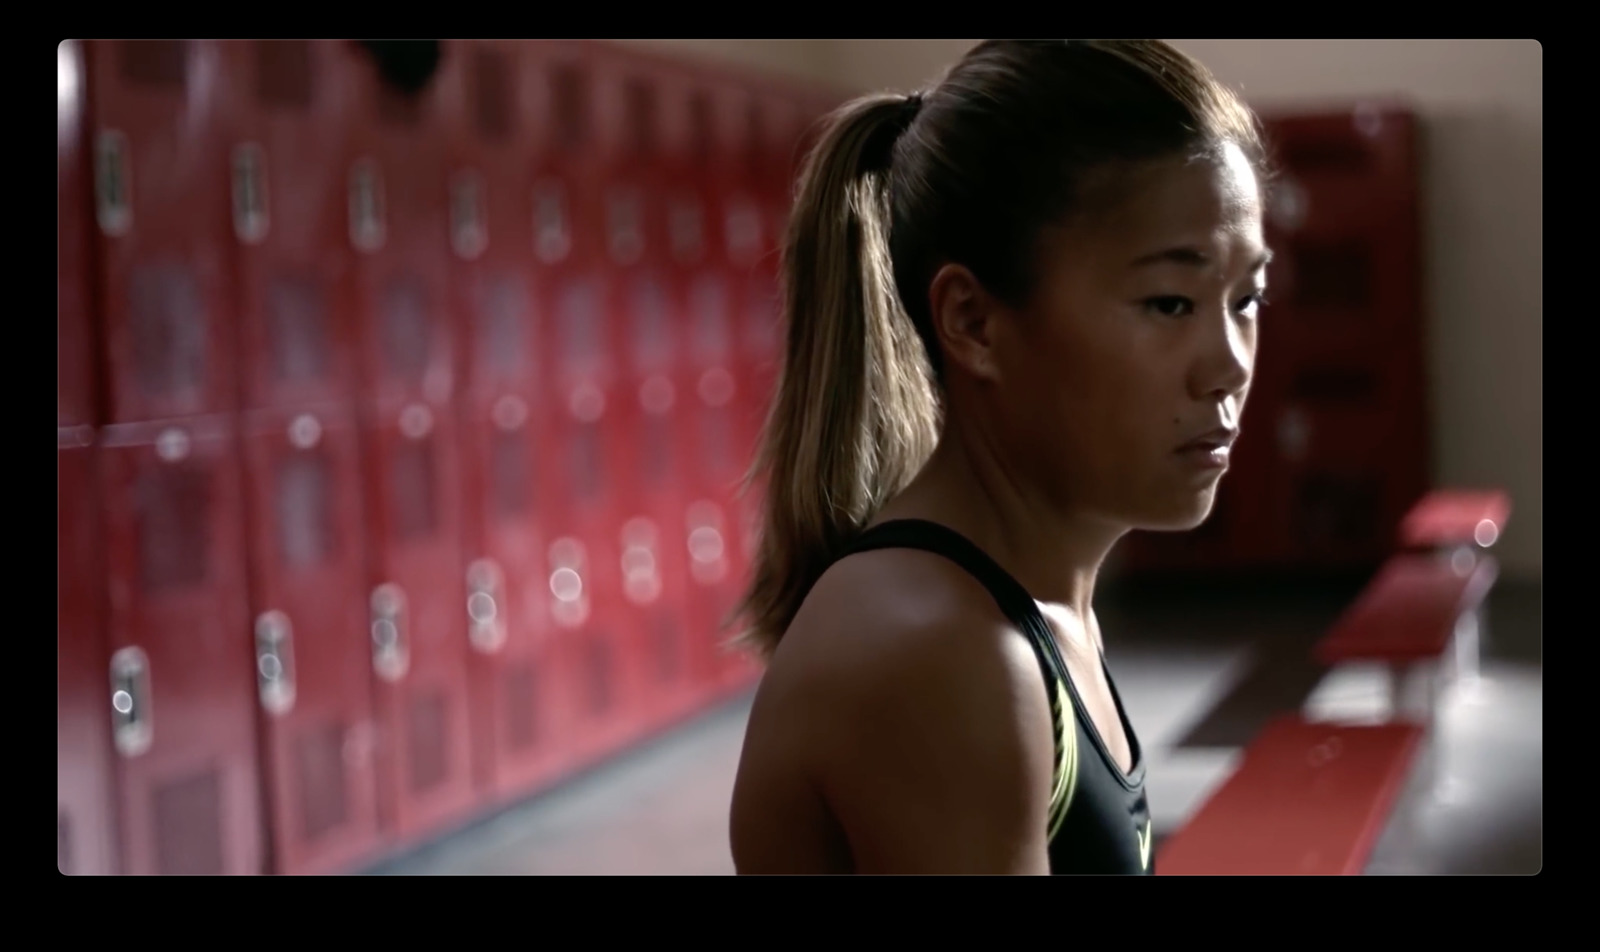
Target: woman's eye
[{"x": 1170, "y": 306}]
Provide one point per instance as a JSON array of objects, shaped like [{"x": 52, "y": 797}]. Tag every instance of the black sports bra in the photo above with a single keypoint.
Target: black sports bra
[{"x": 1099, "y": 819}]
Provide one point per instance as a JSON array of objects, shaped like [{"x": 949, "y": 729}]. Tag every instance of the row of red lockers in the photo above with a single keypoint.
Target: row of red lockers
[{"x": 398, "y": 437}]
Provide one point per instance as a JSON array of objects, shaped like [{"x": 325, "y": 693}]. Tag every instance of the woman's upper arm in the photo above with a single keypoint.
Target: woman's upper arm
[{"x": 939, "y": 752}]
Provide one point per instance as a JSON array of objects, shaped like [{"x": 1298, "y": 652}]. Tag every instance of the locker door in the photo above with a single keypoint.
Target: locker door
[
  {"x": 714, "y": 406},
  {"x": 518, "y": 731},
  {"x": 416, "y": 621},
  {"x": 659, "y": 466},
  {"x": 580, "y": 397},
  {"x": 1344, "y": 356},
  {"x": 85, "y": 831},
  {"x": 651, "y": 139},
  {"x": 587, "y": 463},
  {"x": 181, "y": 681},
  {"x": 75, "y": 390},
  {"x": 398, "y": 227},
  {"x": 590, "y": 634},
  {"x": 587, "y": 460},
  {"x": 161, "y": 183},
  {"x": 289, "y": 215},
  {"x": 309, "y": 630},
  {"x": 518, "y": 738}
]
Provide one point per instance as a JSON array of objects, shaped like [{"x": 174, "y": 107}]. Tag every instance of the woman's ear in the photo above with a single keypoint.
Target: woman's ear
[{"x": 963, "y": 314}]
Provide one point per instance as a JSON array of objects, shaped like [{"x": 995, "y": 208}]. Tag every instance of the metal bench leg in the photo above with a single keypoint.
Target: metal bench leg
[
  {"x": 1468, "y": 638},
  {"x": 1413, "y": 691},
  {"x": 1397, "y": 691}
]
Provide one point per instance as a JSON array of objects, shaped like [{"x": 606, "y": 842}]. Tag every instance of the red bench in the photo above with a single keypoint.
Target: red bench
[
  {"x": 1451, "y": 518},
  {"x": 1409, "y": 616},
  {"x": 1455, "y": 524},
  {"x": 1308, "y": 799}
]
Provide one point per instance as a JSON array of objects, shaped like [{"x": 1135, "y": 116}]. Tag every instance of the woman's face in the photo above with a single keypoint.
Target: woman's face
[{"x": 1140, "y": 340}]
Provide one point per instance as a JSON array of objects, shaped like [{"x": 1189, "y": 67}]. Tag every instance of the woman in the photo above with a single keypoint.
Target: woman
[{"x": 1022, "y": 314}]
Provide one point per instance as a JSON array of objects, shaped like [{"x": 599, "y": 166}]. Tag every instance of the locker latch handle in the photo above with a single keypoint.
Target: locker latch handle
[
  {"x": 486, "y": 626},
  {"x": 368, "y": 225},
  {"x": 469, "y": 234},
  {"x": 132, "y": 727},
  {"x": 391, "y": 657},
  {"x": 113, "y": 191},
  {"x": 275, "y": 662},
  {"x": 250, "y": 219},
  {"x": 707, "y": 549}
]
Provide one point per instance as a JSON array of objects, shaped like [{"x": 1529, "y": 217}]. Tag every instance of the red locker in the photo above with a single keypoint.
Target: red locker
[
  {"x": 85, "y": 834},
  {"x": 647, "y": 117},
  {"x": 398, "y": 227},
  {"x": 309, "y": 629},
  {"x": 588, "y": 624},
  {"x": 183, "y": 693},
  {"x": 775, "y": 132},
  {"x": 297, "y": 342},
  {"x": 517, "y": 736},
  {"x": 719, "y": 416},
  {"x": 75, "y": 358},
  {"x": 1347, "y": 362},
  {"x": 577, "y": 235},
  {"x": 416, "y": 621},
  {"x": 301, "y": 449},
  {"x": 658, "y": 466},
  {"x": 162, "y": 209}
]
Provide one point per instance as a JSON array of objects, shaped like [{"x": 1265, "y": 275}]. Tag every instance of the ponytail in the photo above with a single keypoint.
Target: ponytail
[{"x": 855, "y": 415}]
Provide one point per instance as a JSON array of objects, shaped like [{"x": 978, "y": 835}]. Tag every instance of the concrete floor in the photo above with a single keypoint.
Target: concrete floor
[{"x": 1200, "y": 669}]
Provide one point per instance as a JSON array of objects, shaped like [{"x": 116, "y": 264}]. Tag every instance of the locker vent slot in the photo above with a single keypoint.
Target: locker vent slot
[
  {"x": 511, "y": 473},
  {"x": 503, "y": 327},
  {"x": 155, "y": 62},
  {"x": 188, "y": 824},
  {"x": 708, "y": 310},
  {"x": 598, "y": 657},
  {"x": 522, "y": 717},
  {"x": 406, "y": 331},
  {"x": 168, "y": 329},
  {"x": 298, "y": 335},
  {"x": 429, "y": 761},
  {"x": 1333, "y": 275},
  {"x": 173, "y": 517},
  {"x": 413, "y": 495},
  {"x": 306, "y": 530},
  {"x": 493, "y": 99},
  {"x": 668, "y": 644},
  {"x": 283, "y": 72},
  {"x": 319, "y": 763}
]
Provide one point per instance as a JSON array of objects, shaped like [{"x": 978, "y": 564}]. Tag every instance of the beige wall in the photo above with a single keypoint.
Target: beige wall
[{"x": 1483, "y": 105}]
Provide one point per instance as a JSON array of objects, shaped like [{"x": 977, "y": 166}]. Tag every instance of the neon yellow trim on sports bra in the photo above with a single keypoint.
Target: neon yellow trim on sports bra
[{"x": 1065, "y": 779}]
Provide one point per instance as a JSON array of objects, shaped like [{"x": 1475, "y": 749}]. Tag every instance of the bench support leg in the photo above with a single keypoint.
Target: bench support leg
[
  {"x": 1468, "y": 638},
  {"x": 1413, "y": 692}
]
